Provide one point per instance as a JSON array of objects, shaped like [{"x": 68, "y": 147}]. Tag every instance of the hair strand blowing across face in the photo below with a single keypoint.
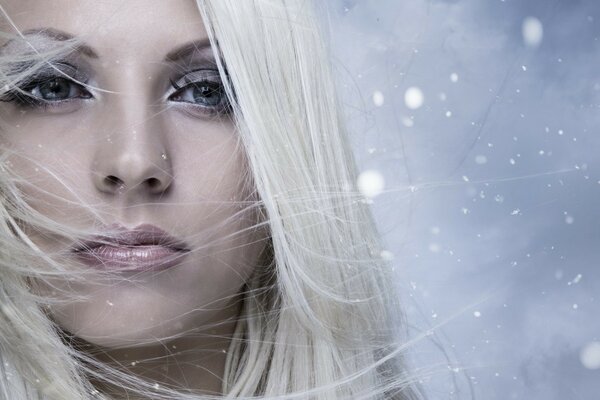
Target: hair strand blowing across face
[{"x": 330, "y": 332}]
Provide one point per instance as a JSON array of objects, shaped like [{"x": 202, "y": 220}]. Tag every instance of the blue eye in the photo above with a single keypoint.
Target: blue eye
[
  {"x": 56, "y": 89},
  {"x": 203, "y": 93},
  {"x": 202, "y": 88},
  {"x": 48, "y": 88}
]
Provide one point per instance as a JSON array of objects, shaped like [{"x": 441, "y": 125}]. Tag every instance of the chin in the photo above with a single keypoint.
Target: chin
[{"x": 130, "y": 325}]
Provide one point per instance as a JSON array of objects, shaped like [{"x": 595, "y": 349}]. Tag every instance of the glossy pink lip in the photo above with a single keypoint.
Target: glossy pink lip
[{"x": 144, "y": 248}]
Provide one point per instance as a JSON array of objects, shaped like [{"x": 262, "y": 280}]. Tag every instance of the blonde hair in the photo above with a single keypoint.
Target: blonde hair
[{"x": 321, "y": 319}]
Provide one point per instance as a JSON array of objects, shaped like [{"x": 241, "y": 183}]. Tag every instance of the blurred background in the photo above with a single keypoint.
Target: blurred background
[{"x": 475, "y": 126}]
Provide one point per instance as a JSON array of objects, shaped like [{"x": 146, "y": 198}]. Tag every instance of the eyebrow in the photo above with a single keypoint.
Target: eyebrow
[
  {"x": 188, "y": 49},
  {"x": 177, "y": 54},
  {"x": 57, "y": 35}
]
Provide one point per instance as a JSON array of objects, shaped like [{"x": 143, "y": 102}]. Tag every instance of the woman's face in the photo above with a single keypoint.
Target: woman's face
[{"x": 148, "y": 141}]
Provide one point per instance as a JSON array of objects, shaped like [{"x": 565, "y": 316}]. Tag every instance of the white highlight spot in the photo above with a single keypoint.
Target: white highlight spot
[
  {"x": 378, "y": 98},
  {"x": 434, "y": 248},
  {"x": 413, "y": 98},
  {"x": 454, "y": 77},
  {"x": 533, "y": 31},
  {"x": 387, "y": 255},
  {"x": 590, "y": 355},
  {"x": 370, "y": 183},
  {"x": 558, "y": 274},
  {"x": 477, "y": 314},
  {"x": 576, "y": 279}
]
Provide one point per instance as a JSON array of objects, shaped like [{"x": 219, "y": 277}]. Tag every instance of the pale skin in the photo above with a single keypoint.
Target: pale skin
[{"x": 179, "y": 166}]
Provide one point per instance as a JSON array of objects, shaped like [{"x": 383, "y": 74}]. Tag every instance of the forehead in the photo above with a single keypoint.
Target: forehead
[{"x": 115, "y": 28}]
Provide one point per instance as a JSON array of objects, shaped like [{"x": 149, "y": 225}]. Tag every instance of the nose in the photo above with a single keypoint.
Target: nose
[
  {"x": 131, "y": 159},
  {"x": 132, "y": 173}
]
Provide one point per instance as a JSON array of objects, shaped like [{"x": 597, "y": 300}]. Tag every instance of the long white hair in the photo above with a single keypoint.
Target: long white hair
[{"x": 322, "y": 318}]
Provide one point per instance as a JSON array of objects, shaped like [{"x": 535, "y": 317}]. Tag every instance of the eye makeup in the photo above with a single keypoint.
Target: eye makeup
[
  {"x": 55, "y": 84},
  {"x": 202, "y": 91},
  {"x": 194, "y": 84}
]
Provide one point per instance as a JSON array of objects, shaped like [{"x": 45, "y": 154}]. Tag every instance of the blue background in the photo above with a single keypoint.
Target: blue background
[{"x": 491, "y": 211}]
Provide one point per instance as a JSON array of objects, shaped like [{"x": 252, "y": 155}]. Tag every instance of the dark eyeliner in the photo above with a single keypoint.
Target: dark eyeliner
[
  {"x": 187, "y": 81},
  {"x": 21, "y": 95}
]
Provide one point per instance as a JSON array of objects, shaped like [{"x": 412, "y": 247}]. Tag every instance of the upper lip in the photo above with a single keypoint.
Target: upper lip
[{"x": 141, "y": 235}]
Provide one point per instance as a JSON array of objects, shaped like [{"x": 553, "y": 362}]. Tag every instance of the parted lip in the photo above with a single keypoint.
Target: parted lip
[
  {"x": 141, "y": 249},
  {"x": 141, "y": 235}
]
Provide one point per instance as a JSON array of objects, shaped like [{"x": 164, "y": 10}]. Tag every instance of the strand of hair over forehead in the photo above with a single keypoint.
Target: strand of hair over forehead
[{"x": 321, "y": 319}]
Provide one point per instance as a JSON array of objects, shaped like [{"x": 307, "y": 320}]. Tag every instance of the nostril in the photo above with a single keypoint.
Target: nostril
[
  {"x": 153, "y": 183},
  {"x": 112, "y": 180}
]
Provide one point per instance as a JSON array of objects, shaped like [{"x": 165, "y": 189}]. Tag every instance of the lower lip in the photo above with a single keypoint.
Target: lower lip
[{"x": 133, "y": 258}]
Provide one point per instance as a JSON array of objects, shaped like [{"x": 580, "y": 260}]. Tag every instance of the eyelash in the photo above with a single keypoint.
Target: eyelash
[
  {"x": 25, "y": 97},
  {"x": 208, "y": 87}
]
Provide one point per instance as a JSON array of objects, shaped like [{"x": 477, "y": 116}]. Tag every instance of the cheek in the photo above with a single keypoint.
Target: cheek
[
  {"x": 50, "y": 190},
  {"x": 211, "y": 160},
  {"x": 49, "y": 163}
]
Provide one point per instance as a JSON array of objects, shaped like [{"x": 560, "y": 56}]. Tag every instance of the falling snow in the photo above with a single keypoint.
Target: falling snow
[
  {"x": 408, "y": 122},
  {"x": 533, "y": 31},
  {"x": 370, "y": 183},
  {"x": 480, "y": 159},
  {"x": 590, "y": 355},
  {"x": 378, "y": 98},
  {"x": 414, "y": 98},
  {"x": 575, "y": 280},
  {"x": 434, "y": 248}
]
